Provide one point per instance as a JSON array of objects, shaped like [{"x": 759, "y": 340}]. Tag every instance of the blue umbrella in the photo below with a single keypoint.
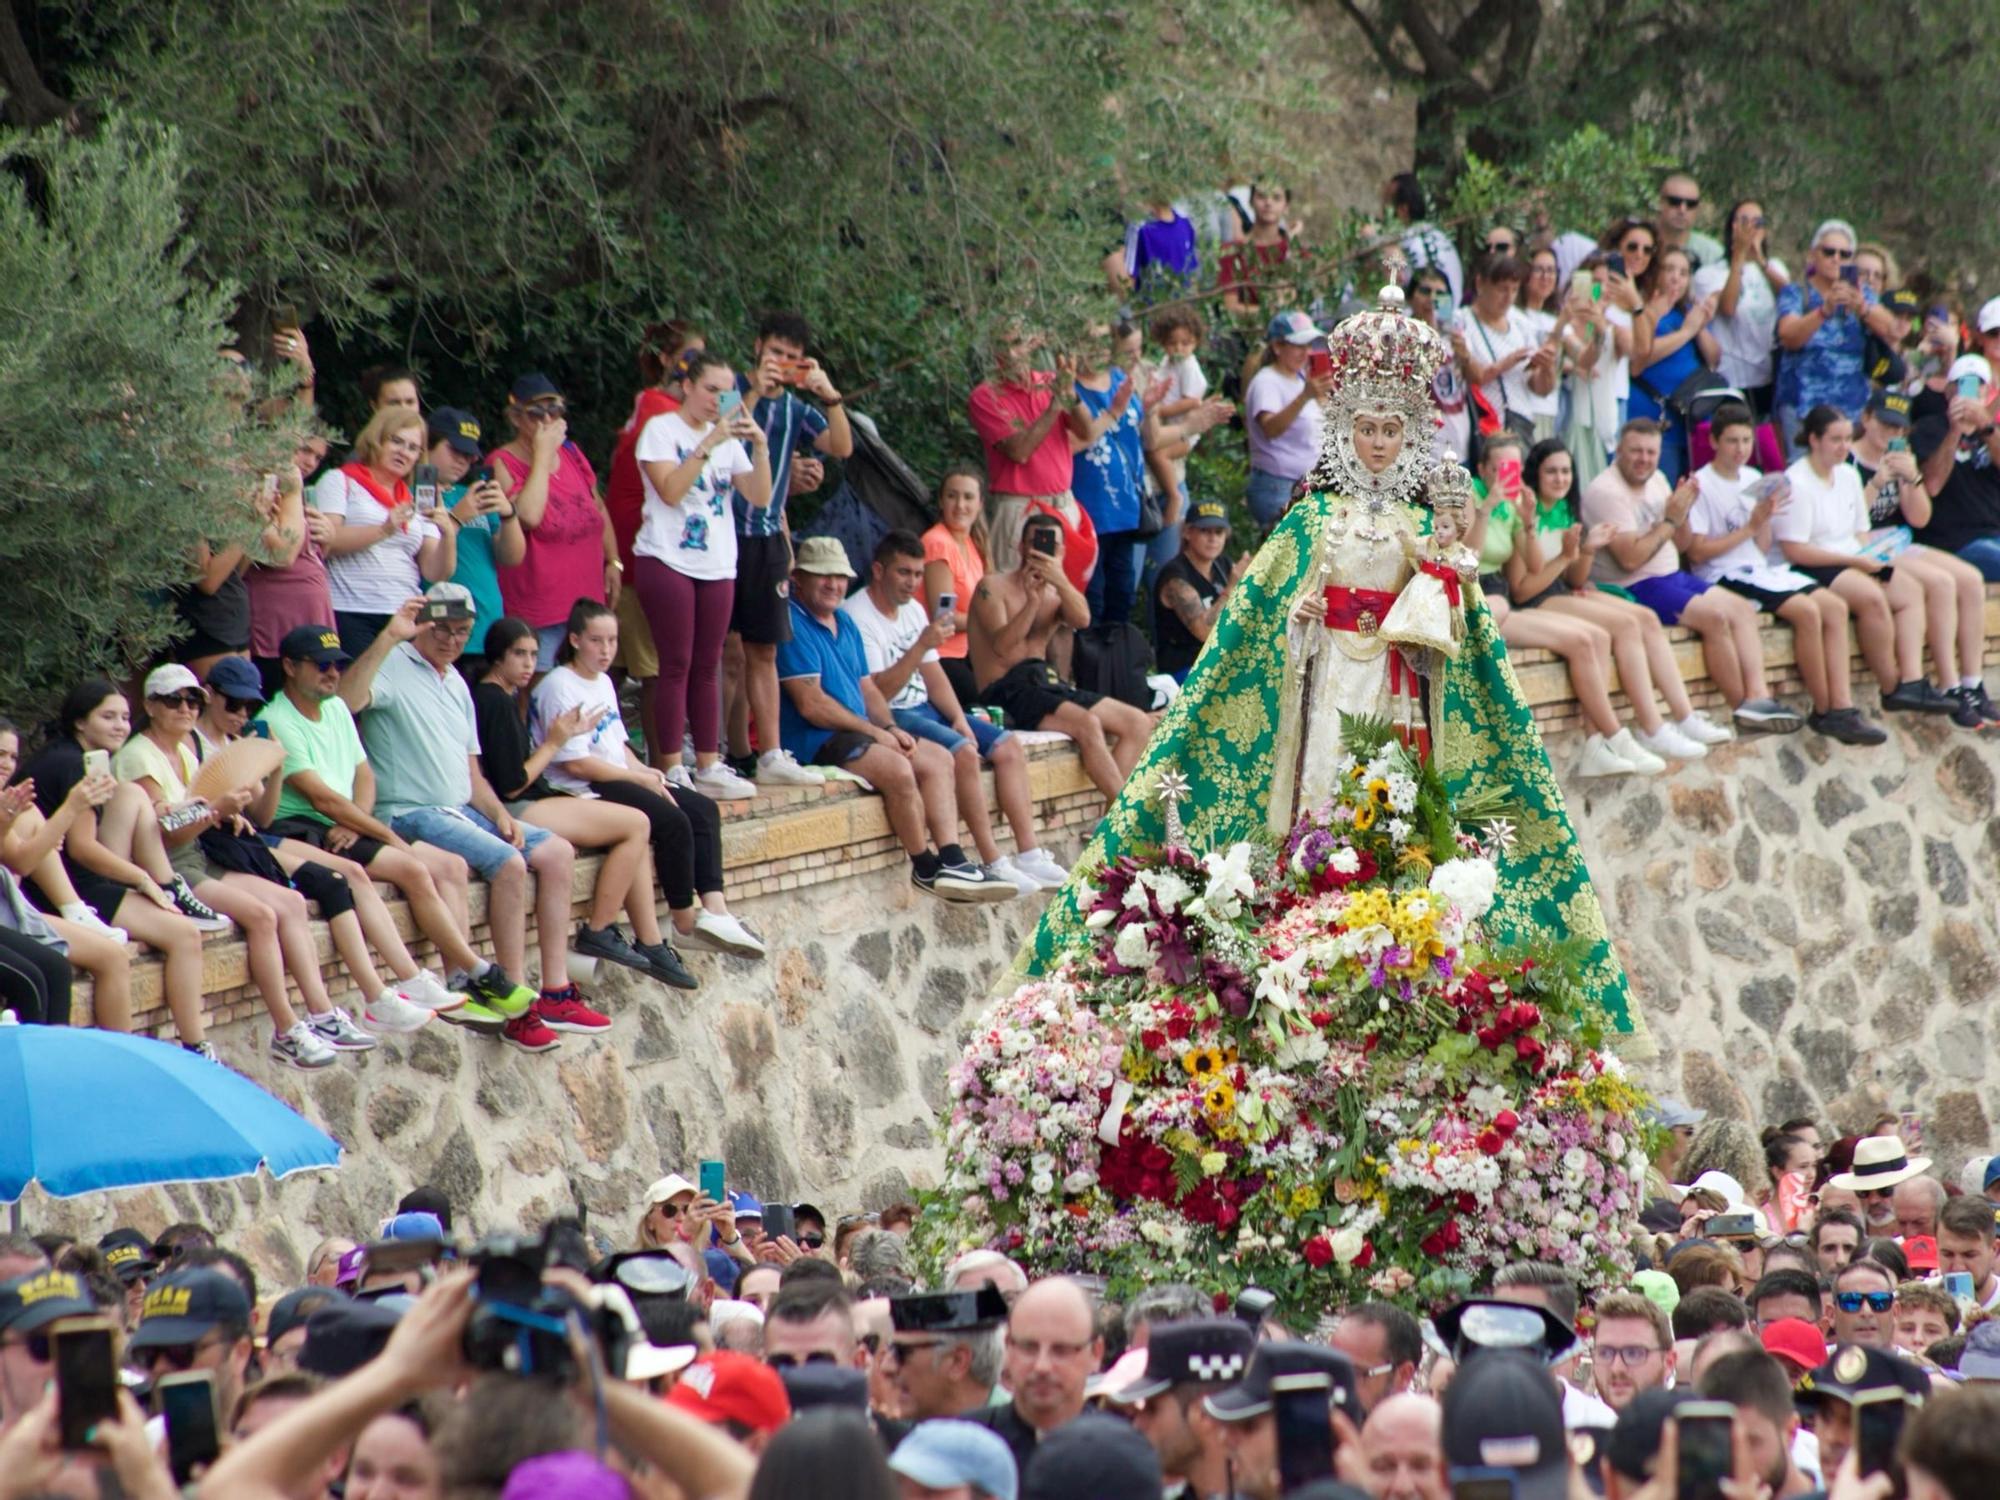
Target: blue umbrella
[{"x": 83, "y": 1110}]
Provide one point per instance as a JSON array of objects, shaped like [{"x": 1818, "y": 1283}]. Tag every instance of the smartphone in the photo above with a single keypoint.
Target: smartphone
[
  {"x": 1969, "y": 386},
  {"x": 1445, "y": 309},
  {"x": 1708, "y": 1448},
  {"x": 424, "y": 488},
  {"x": 1732, "y": 1227},
  {"x": 726, "y": 406},
  {"x": 187, "y": 1404},
  {"x": 1851, "y": 274},
  {"x": 1615, "y": 263},
  {"x": 1899, "y": 445},
  {"x": 1507, "y": 475},
  {"x": 947, "y": 605},
  {"x": 779, "y": 1222},
  {"x": 481, "y": 475},
  {"x": 1482, "y": 1484},
  {"x": 1301, "y": 1405},
  {"x": 1043, "y": 541},
  {"x": 394, "y": 1257},
  {"x": 711, "y": 1181},
  {"x": 259, "y": 728},
  {"x": 97, "y": 762},
  {"x": 1958, "y": 1286},
  {"x": 86, "y": 1370},
  {"x": 1582, "y": 283},
  {"x": 1878, "y": 1428},
  {"x": 1320, "y": 364}
]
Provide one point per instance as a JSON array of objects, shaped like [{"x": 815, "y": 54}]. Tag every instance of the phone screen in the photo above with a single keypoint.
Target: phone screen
[
  {"x": 1443, "y": 303},
  {"x": 1305, "y": 1432},
  {"x": 711, "y": 1180},
  {"x": 1878, "y": 1429},
  {"x": 1320, "y": 363},
  {"x": 86, "y": 1378},
  {"x": 947, "y": 604},
  {"x": 187, "y": 1403},
  {"x": 424, "y": 488},
  {"x": 481, "y": 475},
  {"x": 778, "y": 1221},
  {"x": 1707, "y": 1456}
]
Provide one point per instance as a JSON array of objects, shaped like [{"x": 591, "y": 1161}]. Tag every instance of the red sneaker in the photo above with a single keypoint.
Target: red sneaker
[
  {"x": 564, "y": 1010},
  {"x": 527, "y": 1032}
]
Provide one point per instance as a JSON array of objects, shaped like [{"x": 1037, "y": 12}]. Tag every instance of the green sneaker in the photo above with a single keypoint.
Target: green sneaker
[
  {"x": 497, "y": 992},
  {"x": 475, "y": 1017}
]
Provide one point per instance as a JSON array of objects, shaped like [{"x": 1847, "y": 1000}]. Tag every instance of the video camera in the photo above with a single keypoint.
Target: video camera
[{"x": 521, "y": 1326}]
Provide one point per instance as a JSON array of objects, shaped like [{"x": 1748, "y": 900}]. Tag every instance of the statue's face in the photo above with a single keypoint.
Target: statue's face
[{"x": 1378, "y": 438}]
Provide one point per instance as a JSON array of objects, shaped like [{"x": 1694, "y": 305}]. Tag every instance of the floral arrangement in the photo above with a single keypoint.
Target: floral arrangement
[{"x": 1300, "y": 1065}]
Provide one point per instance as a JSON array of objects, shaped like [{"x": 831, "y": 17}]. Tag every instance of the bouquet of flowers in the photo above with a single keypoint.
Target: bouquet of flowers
[{"x": 1301, "y": 1065}]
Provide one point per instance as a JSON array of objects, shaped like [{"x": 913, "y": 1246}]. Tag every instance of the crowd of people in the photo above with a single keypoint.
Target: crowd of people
[{"x": 1805, "y": 1319}]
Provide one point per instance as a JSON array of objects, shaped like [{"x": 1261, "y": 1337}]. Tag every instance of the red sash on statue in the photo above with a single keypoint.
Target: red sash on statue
[{"x": 1363, "y": 611}]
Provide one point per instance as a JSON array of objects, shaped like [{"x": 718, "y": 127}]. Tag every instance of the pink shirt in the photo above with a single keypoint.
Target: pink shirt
[
  {"x": 565, "y": 557},
  {"x": 282, "y": 599},
  {"x": 1609, "y": 499},
  {"x": 996, "y": 409}
]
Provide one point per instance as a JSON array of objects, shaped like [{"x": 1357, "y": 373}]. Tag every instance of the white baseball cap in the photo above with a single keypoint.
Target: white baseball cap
[
  {"x": 1965, "y": 364},
  {"x": 1989, "y": 316},
  {"x": 164, "y": 682}
]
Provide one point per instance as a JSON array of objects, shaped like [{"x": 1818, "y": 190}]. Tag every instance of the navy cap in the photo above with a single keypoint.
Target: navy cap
[
  {"x": 1211, "y": 513},
  {"x": 745, "y": 1206},
  {"x": 343, "y": 1336},
  {"x": 457, "y": 429},
  {"x": 948, "y": 1312},
  {"x": 1093, "y": 1458},
  {"x": 1891, "y": 408},
  {"x": 1287, "y": 1362},
  {"x": 319, "y": 644},
  {"x": 233, "y": 677},
  {"x": 39, "y": 1298},
  {"x": 1852, "y": 1372},
  {"x": 534, "y": 386},
  {"x": 1503, "y": 1412},
  {"x": 722, "y": 1270},
  {"x": 183, "y": 1307},
  {"x": 1199, "y": 1351},
  {"x": 294, "y": 1309},
  {"x": 1636, "y": 1438},
  {"x": 128, "y": 1252}
]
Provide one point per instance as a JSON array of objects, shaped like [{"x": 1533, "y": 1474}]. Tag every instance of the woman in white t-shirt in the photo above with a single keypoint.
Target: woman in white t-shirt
[
  {"x": 599, "y": 764},
  {"x": 1819, "y": 533},
  {"x": 381, "y": 552},
  {"x": 1496, "y": 346},
  {"x": 1745, "y": 286},
  {"x": 692, "y": 464}
]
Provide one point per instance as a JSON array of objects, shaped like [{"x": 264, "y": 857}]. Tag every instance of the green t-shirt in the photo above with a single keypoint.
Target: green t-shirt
[{"x": 330, "y": 749}]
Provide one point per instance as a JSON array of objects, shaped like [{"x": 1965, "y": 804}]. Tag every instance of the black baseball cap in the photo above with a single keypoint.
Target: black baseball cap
[
  {"x": 1892, "y": 408},
  {"x": 1480, "y": 1324},
  {"x": 318, "y": 644},
  {"x": 1636, "y": 1438},
  {"x": 1854, "y": 1373},
  {"x": 808, "y": 1386},
  {"x": 1904, "y": 301},
  {"x": 343, "y": 1336},
  {"x": 1209, "y": 513},
  {"x": 39, "y": 1298},
  {"x": 1281, "y": 1363},
  {"x": 183, "y": 1307},
  {"x": 295, "y": 1309},
  {"x": 1093, "y": 1458},
  {"x": 1503, "y": 1412},
  {"x": 128, "y": 1252},
  {"x": 948, "y": 1312},
  {"x": 457, "y": 429},
  {"x": 1205, "y": 1351}
]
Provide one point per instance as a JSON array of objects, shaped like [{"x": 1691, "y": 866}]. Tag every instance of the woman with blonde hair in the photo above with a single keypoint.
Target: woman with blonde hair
[
  {"x": 382, "y": 551},
  {"x": 957, "y": 553}
]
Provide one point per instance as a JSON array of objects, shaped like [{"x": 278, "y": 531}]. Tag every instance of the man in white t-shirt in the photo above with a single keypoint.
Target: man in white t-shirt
[{"x": 900, "y": 640}]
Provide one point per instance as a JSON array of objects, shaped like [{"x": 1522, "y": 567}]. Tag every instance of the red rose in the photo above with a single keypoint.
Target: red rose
[
  {"x": 1491, "y": 1141},
  {"x": 1220, "y": 1301},
  {"x": 1506, "y": 1122},
  {"x": 1318, "y": 1251},
  {"x": 1366, "y": 1258},
  {"x": 1153, "y": 1039},
  {"x": 1156, "y": 1158},
  {"x": 1489, "y": 1038},
  {"x": 1529, "y": 1051}
]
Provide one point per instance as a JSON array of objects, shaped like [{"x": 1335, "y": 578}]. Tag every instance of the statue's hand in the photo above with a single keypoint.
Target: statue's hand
[{"x": 1310, "y": 609}]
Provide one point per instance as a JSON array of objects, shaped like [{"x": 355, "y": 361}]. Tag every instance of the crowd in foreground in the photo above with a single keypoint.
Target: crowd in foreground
[{"x": 1804, "y": 1321}]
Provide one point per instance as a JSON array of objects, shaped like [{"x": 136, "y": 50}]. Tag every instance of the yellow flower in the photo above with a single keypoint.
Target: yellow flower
[
  {"x": 1305, "y": 1199},
  {"x": 1212, "y": 1163},
  {"x": 1220, "y": 1100},
  {"x": 1370, "y": 909},
  {"x": 1138, "y": 1067},
  {"x": 1378, "y": 792},
  {"x": 1364, "y": 816},
  {"x": 1202, "y": 1062}
]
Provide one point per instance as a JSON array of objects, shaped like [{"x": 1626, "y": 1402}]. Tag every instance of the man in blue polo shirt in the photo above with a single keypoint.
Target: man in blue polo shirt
[
  {"x": 834, "y": 716},
  {"x": 759, "y": 621}
]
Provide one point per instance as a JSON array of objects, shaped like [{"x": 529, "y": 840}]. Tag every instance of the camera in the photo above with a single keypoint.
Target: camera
[{"x": 519, "y": 1325}]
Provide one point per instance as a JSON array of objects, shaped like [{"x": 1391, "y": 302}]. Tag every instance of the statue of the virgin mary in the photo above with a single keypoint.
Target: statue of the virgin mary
[{"x": 1301, "y": 643}]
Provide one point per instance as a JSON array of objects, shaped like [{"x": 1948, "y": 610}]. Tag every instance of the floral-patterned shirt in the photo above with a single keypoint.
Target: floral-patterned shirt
[
  {"x": 1111, "y": 472},
  {"x": 1828, "y": 370}
]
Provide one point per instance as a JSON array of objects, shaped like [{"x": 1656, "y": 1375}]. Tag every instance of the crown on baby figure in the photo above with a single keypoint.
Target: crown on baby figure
[{"x": 1449, "y": 487}]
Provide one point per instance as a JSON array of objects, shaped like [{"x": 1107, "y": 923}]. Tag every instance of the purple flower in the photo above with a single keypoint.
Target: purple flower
[{"x": 1177, "y": 963}]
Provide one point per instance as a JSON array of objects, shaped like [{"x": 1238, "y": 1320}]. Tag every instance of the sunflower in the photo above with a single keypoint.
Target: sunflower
[
  {"x": 1203, "y": 1063},
  {"x": 1364, "y": 816},
  {"x": 1220, "y": 1100},
  {"x": 1378, "y": 792}
]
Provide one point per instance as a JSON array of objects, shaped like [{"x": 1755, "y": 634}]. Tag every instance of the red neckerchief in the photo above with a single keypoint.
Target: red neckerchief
[{"x": 359, "y": 473}]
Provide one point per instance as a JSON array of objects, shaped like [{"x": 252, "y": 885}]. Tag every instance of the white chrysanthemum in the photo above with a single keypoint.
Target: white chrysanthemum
[
  {"x": 1402, "y": 793},
  {"x": 1132, "y": 949},
  {"x": 1345, "y": 860},
  {"x": 1467, "y": 884}
]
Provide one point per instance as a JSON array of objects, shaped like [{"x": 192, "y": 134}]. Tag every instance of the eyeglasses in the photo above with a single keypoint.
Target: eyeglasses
[
  {"x": 1832, "y": 254},
  {"x": 189, "y": 699},
  {"x": 1674, "y": 200},
  {"x": 1499, "y": 247},
  {"x": 1625, "y": 1354},
  {"x": 1850, "y": 1302},
  {"x": 37, "y": 1345},
  {"x": 241, "y": 705},
  {"x": 180, "y": 1356},
  {"x": 454, "y": 631},
  {"x": 794, "y": 1361}
]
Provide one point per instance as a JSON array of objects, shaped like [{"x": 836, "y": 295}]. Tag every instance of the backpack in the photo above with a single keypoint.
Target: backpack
[{"x": 1114, "y": 659}]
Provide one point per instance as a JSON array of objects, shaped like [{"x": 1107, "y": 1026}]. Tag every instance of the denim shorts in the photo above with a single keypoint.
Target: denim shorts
[
  {"x": 466, "y": 832},
  {"x": 1268, "y": 496},
  {"x": 926, "y": 723},
  {"x": 548, "y": 641}
]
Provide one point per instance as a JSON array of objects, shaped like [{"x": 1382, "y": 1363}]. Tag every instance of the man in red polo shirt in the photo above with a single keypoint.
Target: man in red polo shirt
[{"x": 1031, "y": 425}]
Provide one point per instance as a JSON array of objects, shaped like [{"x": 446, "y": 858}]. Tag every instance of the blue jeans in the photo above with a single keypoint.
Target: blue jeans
[
  {"x": 1267, "y": 496},
  {"x": 1114, "y": 583},
  {"x": 466, "y": 832},
  {"x": 926, "y": 723},
  {"x": 1984, "y": 554}
]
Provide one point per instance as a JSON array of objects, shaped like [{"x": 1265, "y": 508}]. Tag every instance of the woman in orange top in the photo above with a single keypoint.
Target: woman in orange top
[{"x": 955, "y": 553}]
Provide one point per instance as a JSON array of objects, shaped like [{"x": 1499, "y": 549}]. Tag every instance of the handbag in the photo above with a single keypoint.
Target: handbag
[
  {"x": 1152, "y": 514},
  {"x": 1507, "y": 419}
]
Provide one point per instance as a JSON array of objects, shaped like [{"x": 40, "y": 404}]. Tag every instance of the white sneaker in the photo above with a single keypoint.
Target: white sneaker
[
  {"x": 426, "y": 989},
  {"x": 1705, "y": 731},
  {"x": 720, "y": 932},
  {"x": 723, "y": 784},
  {"x": 781, "y": 768},
  {"x": 301, "y": 1048},
  {"x": 85, "y": 915},
  {"x": 1642, "y": 761},
  {"x": 1599, "y": 759},
  {"x": 337, "y": 1029},
  {"x": 393, "y": 1011},
  {"x": 1044, "y": 871},
  {"x": 679, "y": 775},
  {"x": 1005, "y": 869},
  {"x": 1670, "y": 742}
]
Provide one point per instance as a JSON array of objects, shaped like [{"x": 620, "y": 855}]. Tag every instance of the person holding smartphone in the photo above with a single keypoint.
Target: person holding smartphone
[
  {"x": 381, "y": 551},
  {"x": 1745, "y": 283},
  {"x": 490, "y": 535},
  {"x": 1823, "y": 327},
  {"x": 1283, "y": 410}
]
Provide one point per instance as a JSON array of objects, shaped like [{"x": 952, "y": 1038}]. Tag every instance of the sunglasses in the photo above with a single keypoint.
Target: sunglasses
[
  {"x": 1637, "y": 247},
  {"x": 545, "y": 413},
  {"x": 180, "y": 1356},
  {"x": 183, "y": 700},
  {"x": 1832, "y": 254},
  {"x": 812, "y": 1241},
  {"x": 241, "y": 705},
  {"x": 1756, "y": 221},
  {"x": 1850, "y": 1302},
  {"x": 671, "y": 1210},
  {"x": 794, "y": 1361},
  {"x": 37, "y": 1345},
  {"x": 1499, "y": 247},
  {"x": 1676, "y": 201}
]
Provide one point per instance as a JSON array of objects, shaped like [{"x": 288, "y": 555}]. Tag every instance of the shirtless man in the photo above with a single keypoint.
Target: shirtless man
[{"x": 1013, "y": 617}]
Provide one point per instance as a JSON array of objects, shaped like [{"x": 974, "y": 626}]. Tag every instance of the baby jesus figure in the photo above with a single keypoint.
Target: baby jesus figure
[{"x": 1429, "y": 614}]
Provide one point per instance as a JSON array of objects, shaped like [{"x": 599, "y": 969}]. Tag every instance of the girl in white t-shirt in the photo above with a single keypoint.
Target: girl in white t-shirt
[
  {"x": 1819, "y": 533},
  {"x": 692, "y": 463}
]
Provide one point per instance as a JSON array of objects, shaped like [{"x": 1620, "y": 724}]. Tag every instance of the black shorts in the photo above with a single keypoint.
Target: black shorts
[
  {"x": 1029, "y": 691},
  {"x": 1768, "y": 600},
  {"x": 762, "y": 613},
  {"x": 842, "y": 746},
  {"x": 99, "y": 892},
  {"x": 1827, "y": 575},
  {"x": 308, "y": 831}
]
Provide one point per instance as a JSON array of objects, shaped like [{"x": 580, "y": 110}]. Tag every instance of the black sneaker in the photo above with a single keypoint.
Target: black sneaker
[
  {"x": 743, "y": 765},
  {"x": 1847, "y": 726},
  {"x": 1918, "y": 695},
  {"x": 665, "y": 965},
  {"x": 969, "y": 882},
  {"x": 196, "y": 910},
  {"x": 925, "y": 883},
  {"x": 1976, "y": 696},
  {"x": 610, "y": 943},
  {"x": 1964, "y": 710}
]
